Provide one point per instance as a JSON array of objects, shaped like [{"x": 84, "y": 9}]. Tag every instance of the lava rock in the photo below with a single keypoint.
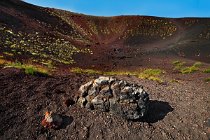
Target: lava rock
[
  {"x": 109, "y": 94},
  {"x": 52, "y": 120}
]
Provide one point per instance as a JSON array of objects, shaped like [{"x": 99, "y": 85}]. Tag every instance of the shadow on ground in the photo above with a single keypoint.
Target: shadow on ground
[
  {"x": 67, "y": 120},
  {"x": 157, "y": 111}
]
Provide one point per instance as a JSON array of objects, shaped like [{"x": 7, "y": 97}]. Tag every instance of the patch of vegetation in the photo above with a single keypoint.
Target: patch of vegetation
[
  {"x": 207, "y": 79},
  {"x": 167, "y": 28},
  {"x": 150, "y": 74},
  {"x": 190, "y": 69},
  {"x": 41, "y": 46},
  {"x": 9, "y": 54},
  {"x": 48, "y": 63},
  {"x": 3, "y": 62},
  {"x": 175, "y": 81},
  {"x": 207, "y": 70},
  {"x": 121, "y": 73},
  {"x": 92, "y": 71},
  {"x": 197, "y": 64},
  {"x": 86, "y": 71},
  {"x": 180, "y": 66},
  {"x": 28, "y": 68}
]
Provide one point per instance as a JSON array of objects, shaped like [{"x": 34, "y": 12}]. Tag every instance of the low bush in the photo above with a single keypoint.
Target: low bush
[
  {"x": 190, "y": 69},
  {"x": 180, "y": 66},
  {"x": 207, "y": 70},
  {"x": 151, "y": 74},
  {"x": 207, "y": 80},
  {"x": 197, "y": 64}
]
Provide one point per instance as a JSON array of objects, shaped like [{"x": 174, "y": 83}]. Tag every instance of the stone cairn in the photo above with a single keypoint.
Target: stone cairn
[{"x": 116, "y": 96}]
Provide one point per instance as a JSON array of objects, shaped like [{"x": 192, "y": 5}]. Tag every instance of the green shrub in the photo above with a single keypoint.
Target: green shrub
[
  {"x": 207, "y": 70},
  {"x": 178, "y": 65},
  {"x": 207, "y": 80},
  {"x": 197, "y": 64},
  {"x": 191, "y": 69},
  {"x": 176, "y": 62},
  {"x": 30, "y": 70},
  {"x": 174, "y": 81},
  {"x": 151, "y": 74},
  {"x": 15, "y": 65},
  {"x": 9, "y": 54}
]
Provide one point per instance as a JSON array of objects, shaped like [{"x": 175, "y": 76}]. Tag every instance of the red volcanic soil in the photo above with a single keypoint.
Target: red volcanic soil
[
  {"x": 179, "y": 107},
  {"x": 178, "y": 110}
]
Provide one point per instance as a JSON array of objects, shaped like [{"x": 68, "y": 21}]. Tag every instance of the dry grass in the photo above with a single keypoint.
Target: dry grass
[
  {"x": 3, "y": 62},
  {"x": 86, "y": 71},
  {"x": 150, "y": 74}
]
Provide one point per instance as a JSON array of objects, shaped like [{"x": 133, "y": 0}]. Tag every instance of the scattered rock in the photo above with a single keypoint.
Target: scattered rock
[
  {"x": 117, "y": 96},
  {"x": 52, "y": 120}
]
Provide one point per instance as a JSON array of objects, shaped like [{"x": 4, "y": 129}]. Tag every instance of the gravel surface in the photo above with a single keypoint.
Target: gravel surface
[{"x": 178, "y": 110}]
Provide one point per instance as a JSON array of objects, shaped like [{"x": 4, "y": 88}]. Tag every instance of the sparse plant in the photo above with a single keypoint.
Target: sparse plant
[
  {"x": 3, "y": 61},
  {"x": 9, "y": 54},
  {"x": 28, "y": 68},
  {"x": 197, "y": 64},
  {"x": 86, "y": 71},
  {"x": 190, "y": 69},
  {"x": 207, "y": 70},
  {"x": 174, "y": 81},
  {"x": 207, "y": 79},
  {"x": 180, "y": 66},
  {"x": 151, "y": 74},
  {"x": 121, "y": 73},
  {"x": 176, "y": 62}
]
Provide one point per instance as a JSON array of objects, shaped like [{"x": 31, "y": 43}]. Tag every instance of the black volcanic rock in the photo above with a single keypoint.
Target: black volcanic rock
[{"x": 112, "y": 95}]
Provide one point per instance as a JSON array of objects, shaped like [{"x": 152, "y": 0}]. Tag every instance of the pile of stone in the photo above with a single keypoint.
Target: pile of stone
[{"x": 117, "y": 96}]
